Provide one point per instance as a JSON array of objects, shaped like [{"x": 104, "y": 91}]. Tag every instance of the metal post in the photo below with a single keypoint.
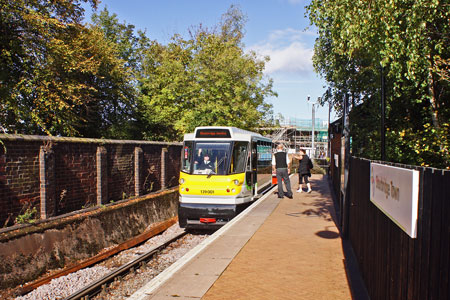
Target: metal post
[
  {"x": 313, "y": 122},
  {"x": 329, "y": 133},
  {"x": 295, "y": 138},
  {"x": 308, "y": 98},
  {"x": 346, "y": 166},
  {"x": 383, "y": 104}
]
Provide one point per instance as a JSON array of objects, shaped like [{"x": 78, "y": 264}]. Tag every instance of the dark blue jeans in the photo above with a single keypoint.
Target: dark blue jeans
[{"x": 283, "y": 174}]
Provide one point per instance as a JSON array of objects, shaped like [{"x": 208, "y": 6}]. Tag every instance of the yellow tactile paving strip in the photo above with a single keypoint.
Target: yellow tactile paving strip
[{"x": 296, "y": 254}]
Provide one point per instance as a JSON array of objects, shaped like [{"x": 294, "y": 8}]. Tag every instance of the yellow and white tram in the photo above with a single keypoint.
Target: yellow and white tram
[{"x": 223, "y": 169}]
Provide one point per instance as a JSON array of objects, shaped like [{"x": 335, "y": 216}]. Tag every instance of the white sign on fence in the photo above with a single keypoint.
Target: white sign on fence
[{"x": 395, "y": 191}]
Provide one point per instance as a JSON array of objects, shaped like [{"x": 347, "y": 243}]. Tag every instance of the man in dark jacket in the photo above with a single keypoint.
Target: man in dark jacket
[
  {"x": 304, "y": 170},
  {"x": 281, "y": 165},
  {"x": 205, "y": 163}
]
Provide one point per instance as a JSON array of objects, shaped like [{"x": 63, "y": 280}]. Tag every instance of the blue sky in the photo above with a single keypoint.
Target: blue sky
[{"x": 277, "y": 28}]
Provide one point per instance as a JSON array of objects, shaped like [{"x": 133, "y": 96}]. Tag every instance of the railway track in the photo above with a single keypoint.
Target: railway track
[
  {"x": 118, "y": 275},
  {"x": 121, "y": 275},
  {"x": 153, "y": 231},
  {"x": 99, "y": 285}
]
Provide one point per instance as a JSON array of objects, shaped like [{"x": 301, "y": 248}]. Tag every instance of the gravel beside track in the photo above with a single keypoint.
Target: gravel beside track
[{"x": 62, "y": 287}]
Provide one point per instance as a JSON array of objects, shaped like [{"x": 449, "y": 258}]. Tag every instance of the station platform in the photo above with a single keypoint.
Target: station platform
[{"x": 276, "y": 249}]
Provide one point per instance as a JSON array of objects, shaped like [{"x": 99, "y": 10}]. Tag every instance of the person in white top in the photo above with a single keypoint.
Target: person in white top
[{"x": 282, "y": 167}]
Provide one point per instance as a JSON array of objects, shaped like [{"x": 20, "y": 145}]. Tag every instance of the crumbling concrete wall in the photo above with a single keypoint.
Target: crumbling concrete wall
[{"x": 28, "y": 251}]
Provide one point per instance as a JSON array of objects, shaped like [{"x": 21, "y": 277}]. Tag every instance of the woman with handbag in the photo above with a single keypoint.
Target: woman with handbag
[{"x": 304, "y": 170}]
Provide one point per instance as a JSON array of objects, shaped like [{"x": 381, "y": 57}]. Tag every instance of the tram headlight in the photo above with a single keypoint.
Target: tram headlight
[
  {"x": 236, "y": 182},
  {"x": 181, "y": 180}
]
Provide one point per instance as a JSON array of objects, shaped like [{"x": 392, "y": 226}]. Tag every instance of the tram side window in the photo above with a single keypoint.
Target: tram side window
[
  {"x": 186, "y": 157},
  {"x": 264, "y": 155},
  {"x": 239, "y": 158}
]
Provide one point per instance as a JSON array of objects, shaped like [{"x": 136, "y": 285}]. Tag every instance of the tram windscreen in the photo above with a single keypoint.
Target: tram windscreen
[{"x": 211, "y": 158}]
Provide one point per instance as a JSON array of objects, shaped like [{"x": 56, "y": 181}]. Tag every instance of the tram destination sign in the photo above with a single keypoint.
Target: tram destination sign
[
  {"x": 213, "y": 133},
  {"x": 395, "y": 191}
]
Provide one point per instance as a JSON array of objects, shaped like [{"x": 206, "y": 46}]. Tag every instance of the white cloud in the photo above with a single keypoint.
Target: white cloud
[
  {"x": 286, "y": 51},
  {"x": 295, "y": 58},
  {"x": 290, "y": 34}
]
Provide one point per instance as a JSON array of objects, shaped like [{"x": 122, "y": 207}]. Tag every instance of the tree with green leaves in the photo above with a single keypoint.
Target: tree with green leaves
[
  {"x": 121, "y": 105},
  {"x": 204, "y": 80},
  {"x": 57, "y": 75},
  {"x": 130, "y": 46},
  {"x": 405, "y": 38},
  {"x": 60, "y": 77}
]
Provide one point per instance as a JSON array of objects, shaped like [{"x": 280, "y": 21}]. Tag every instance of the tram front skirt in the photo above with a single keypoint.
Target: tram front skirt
[{"x": 201, "y": 216}]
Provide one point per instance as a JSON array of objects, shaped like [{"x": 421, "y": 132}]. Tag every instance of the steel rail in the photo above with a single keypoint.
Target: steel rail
[
  {"x": 94, "y": 287},
  {"x": 155, "y": 229}
]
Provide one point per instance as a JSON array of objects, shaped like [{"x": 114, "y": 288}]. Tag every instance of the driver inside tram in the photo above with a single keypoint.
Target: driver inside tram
[{"x": 205, "y": 163}]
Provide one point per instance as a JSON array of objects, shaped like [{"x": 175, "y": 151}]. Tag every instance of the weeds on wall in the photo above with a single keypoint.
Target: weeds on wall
[
  {"x": 62, "y": 199},
  {"x": 28, "y": 212},
  {"x": 27, "y": 217},
  {"x": 88, "y": 204}
]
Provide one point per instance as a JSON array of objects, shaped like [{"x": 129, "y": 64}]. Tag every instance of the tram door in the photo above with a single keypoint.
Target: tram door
[{"x": 254, "y": 167}]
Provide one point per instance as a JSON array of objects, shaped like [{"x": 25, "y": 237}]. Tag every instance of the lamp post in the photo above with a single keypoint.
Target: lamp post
[
  {"x": 329, "y": 132},
  {"x": 313, "y": 148},
  {"x": 312, "y": 130},
  {"x": 383, "y": 109}
]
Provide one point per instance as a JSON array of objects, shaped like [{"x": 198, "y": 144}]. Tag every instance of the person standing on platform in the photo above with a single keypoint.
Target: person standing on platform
[
  {"x": 282, "y": 166},
  {"x": 304, "y": 170}
]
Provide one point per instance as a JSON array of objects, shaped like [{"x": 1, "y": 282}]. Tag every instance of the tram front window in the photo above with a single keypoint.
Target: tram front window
[{"x": 211, "y": 158}]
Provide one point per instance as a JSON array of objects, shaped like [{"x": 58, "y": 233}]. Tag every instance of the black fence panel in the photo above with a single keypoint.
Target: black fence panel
[
  {"x": 393, "y": 265},
  {"x": 444, "y": 292}
]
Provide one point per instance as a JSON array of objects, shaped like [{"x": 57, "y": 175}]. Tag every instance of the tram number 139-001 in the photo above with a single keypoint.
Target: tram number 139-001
[{"x": 207, "y": 192}]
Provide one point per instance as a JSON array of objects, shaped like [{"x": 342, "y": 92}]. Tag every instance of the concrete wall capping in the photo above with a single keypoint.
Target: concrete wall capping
[
  {"x": 41, "y": 225},
  {"x": 41, "y": 138}
]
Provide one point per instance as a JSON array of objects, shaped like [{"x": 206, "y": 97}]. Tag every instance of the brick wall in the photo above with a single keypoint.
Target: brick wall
[
  {"x": 19, "y": 178},
  {"x": 151, "y": 176},
  {"x": 59, "y": 175},
  {"x": 75, "y": 175},
  {"x": 120, "y": 170},
  {"x": 173, "y": 159}
]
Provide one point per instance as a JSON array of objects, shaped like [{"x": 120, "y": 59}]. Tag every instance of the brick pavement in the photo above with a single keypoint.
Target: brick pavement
[{"x": 296, "y": 254}]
